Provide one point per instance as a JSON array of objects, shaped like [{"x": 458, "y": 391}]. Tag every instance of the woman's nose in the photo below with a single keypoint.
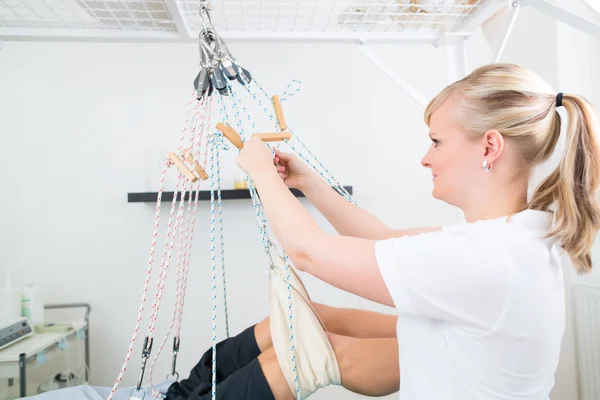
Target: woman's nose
[{"x": 425, "y": 161}]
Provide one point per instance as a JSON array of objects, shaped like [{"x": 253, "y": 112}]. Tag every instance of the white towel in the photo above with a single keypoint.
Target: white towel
[{"x": 315, "y": 359}]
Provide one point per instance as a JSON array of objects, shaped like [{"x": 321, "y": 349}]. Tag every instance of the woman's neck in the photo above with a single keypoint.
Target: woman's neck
[{"x": 496, "y": 203}]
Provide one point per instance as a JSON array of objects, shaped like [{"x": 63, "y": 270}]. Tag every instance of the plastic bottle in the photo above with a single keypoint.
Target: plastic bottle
[
  {"x": 32, "y": 304},
  {"x": 10, "y": 300},
  {"x": 239, "y": 181}
]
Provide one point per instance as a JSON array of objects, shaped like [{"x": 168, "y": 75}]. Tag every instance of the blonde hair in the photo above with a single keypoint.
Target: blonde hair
[{"x": 522, "y": 107}]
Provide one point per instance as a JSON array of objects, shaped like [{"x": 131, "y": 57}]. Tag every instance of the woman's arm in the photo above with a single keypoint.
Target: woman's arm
[
  {"x": 349, "y": 219},
  {"x": 345, "y": 217},
  {"x": 347, "y": 263}
]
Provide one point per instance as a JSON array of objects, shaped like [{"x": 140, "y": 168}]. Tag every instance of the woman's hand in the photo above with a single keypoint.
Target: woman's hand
[
  {"x": 294, "y": 172},
  {"x": 255, "y": 157}
]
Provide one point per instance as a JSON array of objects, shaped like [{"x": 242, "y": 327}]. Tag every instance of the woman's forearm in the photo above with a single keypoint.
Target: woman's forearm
[
  {"x": 290, "y": 221},
  {"x": 346, "y": 218}
]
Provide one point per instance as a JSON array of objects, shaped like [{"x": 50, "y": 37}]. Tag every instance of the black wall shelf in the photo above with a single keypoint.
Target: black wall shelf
[{"x": 228, "y": 194}]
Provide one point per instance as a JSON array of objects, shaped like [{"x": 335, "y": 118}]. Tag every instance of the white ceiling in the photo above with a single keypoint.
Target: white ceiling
[{"x": 180, "y": 19}]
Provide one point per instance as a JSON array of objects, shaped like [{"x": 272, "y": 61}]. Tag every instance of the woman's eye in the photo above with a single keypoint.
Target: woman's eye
[{"x": 435, "y": 142}]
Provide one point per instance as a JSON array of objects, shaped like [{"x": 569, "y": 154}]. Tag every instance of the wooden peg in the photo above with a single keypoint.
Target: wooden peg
[
  {"x": 197, "y": 167},
  {"x": 231, "y": 134},
  {"x": 182, "y": 167},
  {"x": 279, "y": 113},
  {"x": 200, "y": 171},
  {"x": 274, "y": 137}
]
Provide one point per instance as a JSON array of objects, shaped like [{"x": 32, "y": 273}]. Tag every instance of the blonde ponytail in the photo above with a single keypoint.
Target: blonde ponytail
[{"x": 573, "y": 186}]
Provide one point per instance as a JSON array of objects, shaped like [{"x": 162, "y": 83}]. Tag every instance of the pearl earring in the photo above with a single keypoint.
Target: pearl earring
[{"x": 487, "y": 166}]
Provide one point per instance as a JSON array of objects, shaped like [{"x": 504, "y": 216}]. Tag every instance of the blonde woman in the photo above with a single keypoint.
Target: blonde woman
[{"x": 480, "y": 305}]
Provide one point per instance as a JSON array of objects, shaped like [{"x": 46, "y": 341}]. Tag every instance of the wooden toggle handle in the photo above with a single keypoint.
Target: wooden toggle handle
[
  {"x": 182, "y": 167},
  {"x": 279, "y": 113},
  {"x": 231, "y": 134},
  {"x": 236, "y": 139},
  {"x": 273, "y": 137},
  {"x": 199, "y": 170}
]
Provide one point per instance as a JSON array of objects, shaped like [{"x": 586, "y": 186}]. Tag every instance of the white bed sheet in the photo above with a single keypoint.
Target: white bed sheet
[{"x": 86, "y": 392}]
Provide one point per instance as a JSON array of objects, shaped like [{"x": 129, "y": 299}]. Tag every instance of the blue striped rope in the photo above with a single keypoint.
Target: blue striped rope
[
  {"x": 291, "y": 321},
  {"x": 213, "y": 275},
  {"x": 285, "y": 95},
  {"x": 222, "y": 240},
  {"x": 329, "y": 178},
  {"x": 259, "y": 212},
  {"x": 262, "y": 222}
]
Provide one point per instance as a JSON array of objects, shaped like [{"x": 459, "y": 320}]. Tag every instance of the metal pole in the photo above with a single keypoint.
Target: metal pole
[
  {"x": 408, "y": 88},
  {"x": 22, "y": 375},
  {"x": 516, "y": 6},
  {"x": 560, "y": 14},
  {"x": 456, "y": 60}
]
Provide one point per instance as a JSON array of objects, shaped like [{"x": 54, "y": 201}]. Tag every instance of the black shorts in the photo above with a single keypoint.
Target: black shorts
[{"x": 239, "y": 375}]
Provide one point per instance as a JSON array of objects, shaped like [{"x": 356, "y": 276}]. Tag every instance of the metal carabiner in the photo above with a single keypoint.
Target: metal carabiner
[
  {"x": 145, "y": 355},
  {"x": 137, "y": 390},
  {"x": 209, "y": 43},
  {"x": 176, "y": 342},
  {"x": 205, "y": 52},
  {"x": 141, "y": 375},
  {"x": 203, "y": 10},
  {"x": 202, "y": 83},
  {"x": 203, "y": 4},
  {"x": 272, "y": 265}
]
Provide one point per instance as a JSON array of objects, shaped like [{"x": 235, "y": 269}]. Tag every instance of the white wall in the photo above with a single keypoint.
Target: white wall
[
  {"x": 84, "y": 124},
  {"x": 90, "y": 119}
]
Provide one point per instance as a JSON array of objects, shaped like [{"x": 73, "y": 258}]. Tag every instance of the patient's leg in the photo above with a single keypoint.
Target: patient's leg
[
  {"x": 357, "y": 323},
  {"x": 368, "y": 367},
  {"x": 236, "y": 352},
  {"x": 232, "y": 354},
  {"x": 341, "y": 321}
]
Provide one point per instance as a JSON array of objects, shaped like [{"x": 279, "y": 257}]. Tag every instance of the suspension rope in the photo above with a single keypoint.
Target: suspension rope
[
  {"x": 166, "y": 164},
  {"x": 185, "y": 238},
  {"x": 216, "y": 146},
  {"x": 325, "y": 175},
  {"x": 146, "y": 282},
  {"x": 185, "y": 221},
  {"x": 182, "y": 233},
  {"x": 268, "y": 245}
]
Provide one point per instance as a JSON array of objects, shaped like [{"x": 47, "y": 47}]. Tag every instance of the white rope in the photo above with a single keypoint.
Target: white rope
[{"x": 167, "y": 163}]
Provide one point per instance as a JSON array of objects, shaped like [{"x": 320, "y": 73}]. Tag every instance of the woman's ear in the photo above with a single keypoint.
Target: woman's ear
[{"x": 493, "y": 143}]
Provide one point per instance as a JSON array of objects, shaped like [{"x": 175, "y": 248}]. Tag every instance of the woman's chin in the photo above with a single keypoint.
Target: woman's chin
[{"x": 436, "y": 192}]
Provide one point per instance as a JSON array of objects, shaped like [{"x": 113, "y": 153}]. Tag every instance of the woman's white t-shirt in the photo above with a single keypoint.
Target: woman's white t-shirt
[{"x": 481, "y": 309}]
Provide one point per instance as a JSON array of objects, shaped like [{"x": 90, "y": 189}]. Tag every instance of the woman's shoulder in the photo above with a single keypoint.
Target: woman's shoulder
[{"x": 527, "y": 220}]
